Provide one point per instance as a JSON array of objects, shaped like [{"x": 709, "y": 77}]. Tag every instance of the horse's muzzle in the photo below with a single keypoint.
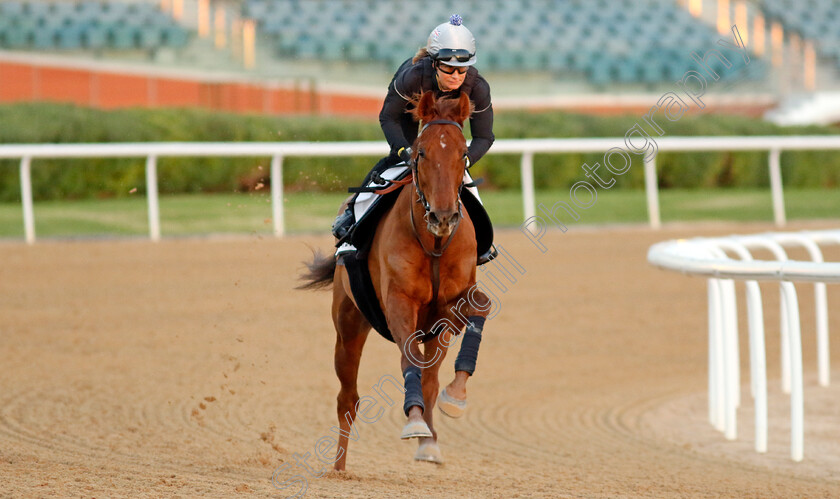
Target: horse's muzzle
[{"x": 441, "y": 224}]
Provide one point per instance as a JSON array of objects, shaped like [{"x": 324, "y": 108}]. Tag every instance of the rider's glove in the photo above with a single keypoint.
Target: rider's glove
[{"x": 405, "y": 154}]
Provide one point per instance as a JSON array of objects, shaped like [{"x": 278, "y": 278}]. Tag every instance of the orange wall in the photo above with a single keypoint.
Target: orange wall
[
  {"x": 108, "y": 90},
  {"x": 104, "y": 89}
]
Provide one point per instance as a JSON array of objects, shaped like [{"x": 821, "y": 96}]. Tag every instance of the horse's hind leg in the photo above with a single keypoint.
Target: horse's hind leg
[{"x": 351, "y": 332}]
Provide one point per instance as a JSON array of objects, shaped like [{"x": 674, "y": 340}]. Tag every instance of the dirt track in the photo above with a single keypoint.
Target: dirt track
[{"x": 191, "y": 368}]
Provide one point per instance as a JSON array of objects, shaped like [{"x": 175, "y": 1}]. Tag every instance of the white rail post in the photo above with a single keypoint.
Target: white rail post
[
  {"x": 714, "y": 301},
  {"x": 527, "y": 173},
  {"x": 652, "y": 189},
  {"x": 779, "y": 253},
  {"x": 731, "y": 363},
  {"x": 277, "y": 211},
  {"x": 821, "y": 302},
  {"x": 26, "y": 199},
  {"x": 758, "y": 360},
  {"x": 776, "y": 188},
  {"x": 823, "y": 360},
  {"x": 152, "y": 197},
  {"x": 796, "y": 386},
  {"x": 717, "y": 378},
  {"x": 758, "y": 363},
  {"x": 784, "y": 330}
]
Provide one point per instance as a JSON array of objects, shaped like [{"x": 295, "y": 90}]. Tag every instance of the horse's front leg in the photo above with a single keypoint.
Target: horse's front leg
[
  {"x": 402, "y": 321},
  {"x": 453, "y": 398},
  {"x": 434, "y": 353}
]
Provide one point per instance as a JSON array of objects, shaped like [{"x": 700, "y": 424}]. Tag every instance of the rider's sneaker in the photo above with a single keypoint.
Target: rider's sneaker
[
  {"x": 486, "y": 257},
  {"x": 343, "y": 223}
]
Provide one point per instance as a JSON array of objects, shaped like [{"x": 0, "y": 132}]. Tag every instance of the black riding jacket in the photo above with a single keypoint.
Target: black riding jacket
[{"x": 412, "y": 79}]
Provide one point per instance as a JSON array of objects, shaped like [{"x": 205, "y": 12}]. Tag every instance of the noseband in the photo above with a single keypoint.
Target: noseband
[{"x": 421, "y": 198}]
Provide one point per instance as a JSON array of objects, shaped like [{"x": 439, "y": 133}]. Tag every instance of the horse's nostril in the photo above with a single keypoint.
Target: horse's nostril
[{"x": 443, "y": 220}]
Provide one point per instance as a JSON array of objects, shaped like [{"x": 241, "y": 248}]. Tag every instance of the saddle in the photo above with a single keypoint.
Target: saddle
[{"x": 357, "y": 266}]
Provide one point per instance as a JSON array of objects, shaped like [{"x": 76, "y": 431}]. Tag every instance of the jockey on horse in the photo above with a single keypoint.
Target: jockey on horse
[
  {"x": 391, "y": 280},
  {"x": 445, "y": 67}
]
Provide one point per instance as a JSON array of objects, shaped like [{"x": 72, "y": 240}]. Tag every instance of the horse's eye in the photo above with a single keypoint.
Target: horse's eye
[{"x": 421, "y": 153}]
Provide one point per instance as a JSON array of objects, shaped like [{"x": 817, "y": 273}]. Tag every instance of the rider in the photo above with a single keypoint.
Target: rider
[{"x": 445, "y": 66}]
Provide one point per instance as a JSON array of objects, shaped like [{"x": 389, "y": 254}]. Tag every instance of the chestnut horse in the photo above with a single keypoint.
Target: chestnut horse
[{"x": 424, "y": 275}]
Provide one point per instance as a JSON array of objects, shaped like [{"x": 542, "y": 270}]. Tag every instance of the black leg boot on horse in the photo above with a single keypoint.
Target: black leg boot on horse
[{"x": 453, "y": 398}]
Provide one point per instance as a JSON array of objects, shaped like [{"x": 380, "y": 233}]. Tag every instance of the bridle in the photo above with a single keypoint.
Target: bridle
[{"x": 440, "y": 245}]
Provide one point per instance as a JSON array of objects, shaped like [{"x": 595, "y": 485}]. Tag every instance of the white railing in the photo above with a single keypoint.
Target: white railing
[
  {"x": 708, "y": 257},
  {"x": 280, "y": 150}
]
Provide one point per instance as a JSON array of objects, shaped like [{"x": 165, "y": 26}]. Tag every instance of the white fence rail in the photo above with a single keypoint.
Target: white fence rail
[
  {"x": 280, "y": 150},
  {"x": 708, "y": 257}
]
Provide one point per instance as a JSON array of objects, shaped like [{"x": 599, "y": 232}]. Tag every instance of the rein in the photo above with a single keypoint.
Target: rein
[{"x": 440, "y": 246}]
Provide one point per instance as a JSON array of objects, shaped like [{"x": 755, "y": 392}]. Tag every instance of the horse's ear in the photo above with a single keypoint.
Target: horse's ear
[
  {"x": 426, "y": 107},
  {"x": 464, "y": 108}
]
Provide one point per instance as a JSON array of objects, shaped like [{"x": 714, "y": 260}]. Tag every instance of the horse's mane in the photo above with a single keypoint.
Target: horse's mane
[{"x": 445, "y": 108}]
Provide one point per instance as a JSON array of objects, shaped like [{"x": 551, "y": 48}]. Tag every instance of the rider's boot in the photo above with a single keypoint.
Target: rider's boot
[
  {"x": 489, "y": 255},
  {"x": 343, "y": 223}
]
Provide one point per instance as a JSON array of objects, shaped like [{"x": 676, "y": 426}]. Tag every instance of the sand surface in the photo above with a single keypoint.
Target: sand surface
[{"x": 192, "y": 368}]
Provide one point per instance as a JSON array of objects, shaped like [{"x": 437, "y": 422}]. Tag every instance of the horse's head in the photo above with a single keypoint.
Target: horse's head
[{"x": 440, "y": 153}]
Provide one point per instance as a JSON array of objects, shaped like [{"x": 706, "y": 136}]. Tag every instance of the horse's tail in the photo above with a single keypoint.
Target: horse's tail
[{"x": 319, "y": 273}]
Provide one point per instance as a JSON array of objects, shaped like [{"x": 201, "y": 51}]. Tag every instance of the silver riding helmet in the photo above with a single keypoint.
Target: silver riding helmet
[{"x": 452, "y": 43}]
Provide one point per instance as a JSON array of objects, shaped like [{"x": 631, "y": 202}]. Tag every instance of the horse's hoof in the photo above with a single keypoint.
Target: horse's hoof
[
  {"x": 450, "y": 406},
  {"x": 415, "y": 429},
  {"x": 429, "y": 452}
]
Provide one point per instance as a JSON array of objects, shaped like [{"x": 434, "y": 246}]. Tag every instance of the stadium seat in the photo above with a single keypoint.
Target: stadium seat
[
  {"x": 652, "y": 72},
  {"x": 175, "y": 37},
  {"x": 95, "y": 37},
  {"x": 599, "y": 74},
  {"x": 122, "y": 37},
  {"x": 44, "y": 38},
  {"x": 11, "y": 8},
  {"x": 70, "y": 38},
  {"x": 358, "y": 51},
  {"x": 626, "y": 71},
  {"x": 306, "y": 48},
  {"x": 149, "y": 37},
  {"x": 17, "y": 37},
  {"x": 332, "y": 49}
]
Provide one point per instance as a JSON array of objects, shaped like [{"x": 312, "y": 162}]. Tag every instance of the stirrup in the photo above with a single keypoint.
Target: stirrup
[{"x": 486, "y": 257}]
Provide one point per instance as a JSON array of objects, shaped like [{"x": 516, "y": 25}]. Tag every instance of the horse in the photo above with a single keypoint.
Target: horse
[{"x": 424, "y": 276}]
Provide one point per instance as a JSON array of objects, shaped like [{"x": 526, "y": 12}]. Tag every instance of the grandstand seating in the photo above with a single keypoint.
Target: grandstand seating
[
  {"x": 607, "y": 41},
  {"x": 87, "y": 24},
  {"x": 817, "y": 20}
]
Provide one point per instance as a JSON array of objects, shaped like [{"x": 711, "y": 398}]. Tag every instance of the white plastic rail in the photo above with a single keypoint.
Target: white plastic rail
[
  {"x": 26, "y": 153},
  {"x": 708, "y": 257}
]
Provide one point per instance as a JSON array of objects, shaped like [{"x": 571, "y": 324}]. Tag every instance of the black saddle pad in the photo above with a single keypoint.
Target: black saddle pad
[
  {"x": 362, "y": 287},
  {"x": 363, "y": 233},
  {"x": 356, "y": 263}
]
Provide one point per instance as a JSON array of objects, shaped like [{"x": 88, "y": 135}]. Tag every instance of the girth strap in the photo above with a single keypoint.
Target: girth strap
[{"x": 435, "y": 254}]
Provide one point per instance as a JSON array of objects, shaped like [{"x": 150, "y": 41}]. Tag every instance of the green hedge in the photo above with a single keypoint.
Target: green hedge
[{"x": 80, "y": 178}]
